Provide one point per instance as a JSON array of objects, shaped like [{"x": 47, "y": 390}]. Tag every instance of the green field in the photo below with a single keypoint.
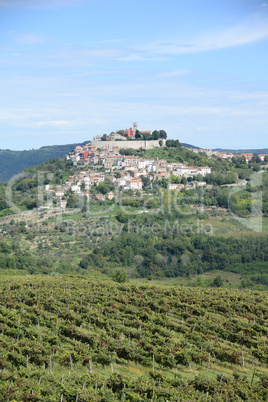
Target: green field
[{"x": 79, "y": 338}]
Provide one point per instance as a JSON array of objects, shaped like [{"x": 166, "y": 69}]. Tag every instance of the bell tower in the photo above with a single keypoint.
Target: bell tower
[{"x": 135, "y": 127}]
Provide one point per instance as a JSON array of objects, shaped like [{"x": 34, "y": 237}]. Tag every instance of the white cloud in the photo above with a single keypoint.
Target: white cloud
[
  {"x": 251, "y": 30},
  {"x": 175, "y": 73},
  {"x": 52, "y": 123},
  {"x": 27, "y": 38},
  {"x": 65, "y": 56},
  {"x": 81, "y": 105}
]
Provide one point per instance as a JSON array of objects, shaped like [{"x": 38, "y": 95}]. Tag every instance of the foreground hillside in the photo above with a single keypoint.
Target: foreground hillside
[{"x": 75, "y": 339}]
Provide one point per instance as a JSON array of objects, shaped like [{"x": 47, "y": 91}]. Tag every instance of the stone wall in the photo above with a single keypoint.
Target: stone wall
[{"x": 128, "y": 144}]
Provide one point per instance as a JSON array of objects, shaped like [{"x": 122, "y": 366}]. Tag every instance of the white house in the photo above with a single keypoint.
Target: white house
[
  {"x": 59, "y": 193},
  {"x": 135, "y": 184},
  {"x": 200, "y": 183},
  {"x": 120, "y": 182},
  {"x": 205, "y": 170},
  {"x": 144, "y": 163},
  {"x": 75, "y": 189},
  {"x": 174, "y": 186}
]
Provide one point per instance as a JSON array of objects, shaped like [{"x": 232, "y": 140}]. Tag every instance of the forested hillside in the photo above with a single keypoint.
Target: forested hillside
[
  {"x": 76, "y": 339},
  {"x": 14, "y": 162}
]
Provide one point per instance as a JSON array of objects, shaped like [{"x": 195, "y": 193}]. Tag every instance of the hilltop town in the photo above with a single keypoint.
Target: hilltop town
[
  {"x": 110, "y": 160},
  {"x": 119, "y": 162}
]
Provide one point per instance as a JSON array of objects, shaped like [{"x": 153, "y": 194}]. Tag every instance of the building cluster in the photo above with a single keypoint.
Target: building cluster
[
  {"x": 227, "y": 155},
  {"x": 128, "y": 133},
  {"x": 125, "y": 172}
]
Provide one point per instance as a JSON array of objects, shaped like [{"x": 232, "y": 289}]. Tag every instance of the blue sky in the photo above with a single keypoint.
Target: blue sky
[{"x": 72, "y": 69}]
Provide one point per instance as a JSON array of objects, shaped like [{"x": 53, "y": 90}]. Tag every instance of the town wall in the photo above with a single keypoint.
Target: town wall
[{"x": 128, "y": 144}]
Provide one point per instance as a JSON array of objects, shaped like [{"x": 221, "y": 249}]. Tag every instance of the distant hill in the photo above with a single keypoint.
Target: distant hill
[
  {"x": 234, "y": 151},
  {"x": 189, "y": 145},
  {"x": 14, "y": 162},
  {"x": 240, "y": 151}
]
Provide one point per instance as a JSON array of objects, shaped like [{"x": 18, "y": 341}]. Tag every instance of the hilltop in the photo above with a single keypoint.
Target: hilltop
[{"x": 14, "y": 162}]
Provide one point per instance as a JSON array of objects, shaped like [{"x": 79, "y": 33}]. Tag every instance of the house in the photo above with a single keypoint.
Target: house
[
  {"x": 134, "y": 184},
  {"x": 204, "y": 170},
  {"x": 63, "y": 203},
  {"x": 126, "y": 176},
  {"x": 109, "y": 162},
  {"x": 75, "y": 189},
  {"x": 209, "y": 152},
  {"x": 78, "y": 148},
  {"x": 120, "y": 182},
  {"x": 110, "y": 195},
  {"x": 164, "y": 175},
  {"x": 248, "y": 156},
  {"x": 138, "y": 173},
  {"x": 174, "y": 186},
  {"x": 116, "y": 137},
  {"x": 190, "y": 186},
  {"x": 75, "y": 158},
  {"x": 145, "y": 163},
  {"x": 131, "y": 160},
  {"x": 100, "y": 197},
  {"x": 130, "y": 132},
  {"x": 96, "y": 179},
  {"x": 59, "y": 193},
  {"x": 200, "y": 183}
]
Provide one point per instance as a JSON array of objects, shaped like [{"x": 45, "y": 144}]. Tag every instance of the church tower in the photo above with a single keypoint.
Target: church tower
[{"x": 135, "y": 127}]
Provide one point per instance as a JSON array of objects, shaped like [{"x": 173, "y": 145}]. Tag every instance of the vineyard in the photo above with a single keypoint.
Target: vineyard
[{"x": 73, "y": 338}]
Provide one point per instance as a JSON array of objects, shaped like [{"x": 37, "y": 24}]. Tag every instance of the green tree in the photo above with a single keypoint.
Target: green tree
[
  {"x": 155, "y": 135},
  {"x": 120, "y": 276},
  {"x": 217, "y": 282},
  {"x": 162, "y": 134},
  {"x": 72, "y": 201}
]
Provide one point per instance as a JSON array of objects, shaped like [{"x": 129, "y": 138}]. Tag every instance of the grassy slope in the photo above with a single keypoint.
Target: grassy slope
[{"x": 67, "y": 324}]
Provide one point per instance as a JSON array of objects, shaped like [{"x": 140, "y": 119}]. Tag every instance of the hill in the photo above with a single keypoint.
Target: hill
[
  {"x": 154, "y": 235},
  {"x": 240, "y": 151},
  {"x": 14, "y": 162},
  {"x": 70, "y": 338},
  {"x": 189, "y": 145}
]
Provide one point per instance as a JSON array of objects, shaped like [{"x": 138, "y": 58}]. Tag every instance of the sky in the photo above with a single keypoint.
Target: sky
[{"x": 73, "y": 69}]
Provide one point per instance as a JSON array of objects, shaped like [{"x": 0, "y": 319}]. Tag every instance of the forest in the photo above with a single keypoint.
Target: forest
[{"x": 14, "y": 162}]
